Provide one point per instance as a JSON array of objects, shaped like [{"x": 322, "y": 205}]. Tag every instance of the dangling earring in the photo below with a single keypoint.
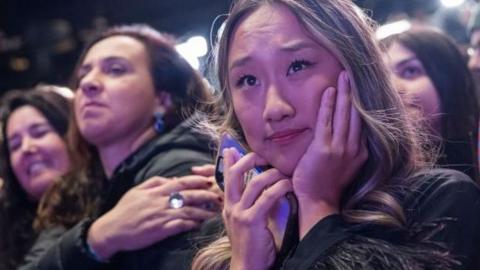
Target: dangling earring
[{"x": 159, "y": 124}]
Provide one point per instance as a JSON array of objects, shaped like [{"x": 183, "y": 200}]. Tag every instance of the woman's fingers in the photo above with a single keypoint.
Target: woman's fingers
[
  {"x": 152, "y": 182},
  {"x": 235, "y": 169},
  {"x": 270, "y": 197},
  {"x": 233, "y": 180},
  {"x": 189, "y": 212},
  {"x": 257, "y": 185},
  {"x": 177, "y": 226},
  {"x": 324, "y": 124},
  {"x": 204, "y": 170},
  {"x": 200, "y": 197},
  {"x": 342, "y": 112},
  {"x": 182, "y": 183}
]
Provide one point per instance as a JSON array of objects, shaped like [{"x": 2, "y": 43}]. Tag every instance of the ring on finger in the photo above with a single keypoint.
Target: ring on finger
[{"x": 176, "y": 200}]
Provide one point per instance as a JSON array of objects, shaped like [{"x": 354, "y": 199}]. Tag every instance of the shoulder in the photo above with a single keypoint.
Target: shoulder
[
  {"x": 443, "y": 186},
  {"x": 174, "y": 153},
  {"x": 449, "y": 201},
  {"x": 360, "y": 252}
]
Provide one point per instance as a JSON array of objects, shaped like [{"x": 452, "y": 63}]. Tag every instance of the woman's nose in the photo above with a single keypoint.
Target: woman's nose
[
  {"x": 28, "y": 146},
  {"x": 277, "y": 106},
  {"x": 91, "y": 87}
]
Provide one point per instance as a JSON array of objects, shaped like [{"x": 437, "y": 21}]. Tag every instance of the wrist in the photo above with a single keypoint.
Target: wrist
[
  {"x": 311, "y": 212},
  {"x": 97, "y": 243}
]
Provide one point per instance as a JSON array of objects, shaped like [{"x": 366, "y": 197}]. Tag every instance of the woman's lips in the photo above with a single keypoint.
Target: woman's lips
[{"x": 286, "y": 136}]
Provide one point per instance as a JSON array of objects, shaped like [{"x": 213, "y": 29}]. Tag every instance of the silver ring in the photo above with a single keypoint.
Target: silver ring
[{"x": 175, "y": 200}]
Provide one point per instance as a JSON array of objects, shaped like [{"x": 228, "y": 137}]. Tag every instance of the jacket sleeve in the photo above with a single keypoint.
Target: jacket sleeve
[
  {"x": 68, "y": 252},
  {"x": 177, "y": 162},
  {"x": 455, "y": 199},
  {"x": 44, "y": 241}
]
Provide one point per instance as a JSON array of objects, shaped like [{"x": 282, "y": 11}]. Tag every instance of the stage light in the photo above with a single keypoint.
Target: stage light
[
  {"x": 392, "y": 28},
  {"x": 452, "y": 3}
]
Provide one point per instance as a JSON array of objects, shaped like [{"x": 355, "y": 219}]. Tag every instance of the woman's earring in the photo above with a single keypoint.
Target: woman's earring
[{"x": 159, "y": 124}]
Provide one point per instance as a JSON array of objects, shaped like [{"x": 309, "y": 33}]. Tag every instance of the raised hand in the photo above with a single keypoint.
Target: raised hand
[
  {"x": 334, "y": 157},
  {"x": 247, "y": 208}
]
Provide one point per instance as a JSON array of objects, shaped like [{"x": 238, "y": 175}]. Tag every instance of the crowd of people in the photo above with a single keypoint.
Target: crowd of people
[{"x": 360, "y": 153}]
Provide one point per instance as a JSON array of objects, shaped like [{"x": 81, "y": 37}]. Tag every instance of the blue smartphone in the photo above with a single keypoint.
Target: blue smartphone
[{"x": 228, "y": 141}]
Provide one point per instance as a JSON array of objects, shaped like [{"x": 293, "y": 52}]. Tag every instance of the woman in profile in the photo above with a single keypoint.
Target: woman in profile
[{"x": 132, "y": 197}]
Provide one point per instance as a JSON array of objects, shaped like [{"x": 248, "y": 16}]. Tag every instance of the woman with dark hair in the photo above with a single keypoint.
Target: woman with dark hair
[
  {"x": 434, "y": 81},
  {"x": 307, "y": 92},
  {"x": 33, "y": 156},
  {"x": 131, "y": 198}
]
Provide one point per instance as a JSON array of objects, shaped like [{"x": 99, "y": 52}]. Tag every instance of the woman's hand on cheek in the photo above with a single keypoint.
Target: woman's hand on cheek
[
  {"x": 143, "y": 217},
  {"x": 336, "y": 153},
  {"x": 246, "y": 210}
]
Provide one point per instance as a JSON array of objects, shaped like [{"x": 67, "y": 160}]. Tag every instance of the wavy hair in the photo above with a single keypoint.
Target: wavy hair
[
  {"x": 393, "y": 155},
  {"x": 79, "y": 194},
  {"x": 17, "y": 211}
]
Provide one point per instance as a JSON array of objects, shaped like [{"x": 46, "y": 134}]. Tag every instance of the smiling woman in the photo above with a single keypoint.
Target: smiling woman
[{"x": 34, "y": 156}]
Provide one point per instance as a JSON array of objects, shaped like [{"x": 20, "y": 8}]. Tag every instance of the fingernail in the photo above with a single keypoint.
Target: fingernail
[{"x": 331, "y": 92}]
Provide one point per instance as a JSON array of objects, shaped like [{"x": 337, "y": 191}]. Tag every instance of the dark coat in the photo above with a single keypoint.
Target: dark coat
[
  {"x": 442, "y": 208},
  {"x": 172, "y": 154}
]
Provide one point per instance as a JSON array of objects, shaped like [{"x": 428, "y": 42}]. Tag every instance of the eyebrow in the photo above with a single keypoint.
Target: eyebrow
[
  {"x": 405, "y": 61},
  {"x": 106, "y": 59},
  {"x": 32, "y": 126},
  {"x": 287, "y": 47},
  {"x": 297, "y": 45}
]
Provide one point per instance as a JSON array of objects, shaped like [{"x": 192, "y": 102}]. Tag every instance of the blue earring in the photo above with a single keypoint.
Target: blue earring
[{"x": 159, "y": 124}]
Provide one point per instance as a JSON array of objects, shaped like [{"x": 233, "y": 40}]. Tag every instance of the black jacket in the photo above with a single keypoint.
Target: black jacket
[
  {"x": 442, "y": 209},
  {"x": 172, "y": 154}
]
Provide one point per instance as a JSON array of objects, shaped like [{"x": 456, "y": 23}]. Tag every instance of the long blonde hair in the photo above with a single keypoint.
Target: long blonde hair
[{"x": 393, "y": 149}]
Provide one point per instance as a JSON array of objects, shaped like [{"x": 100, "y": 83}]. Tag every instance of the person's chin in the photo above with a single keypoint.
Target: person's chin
[{"x": 286, "y": 165}]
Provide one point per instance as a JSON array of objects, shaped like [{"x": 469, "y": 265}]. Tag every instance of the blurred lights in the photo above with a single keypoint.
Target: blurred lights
[
  {"x": 193, "y": 49},
  {"x": 392, "y": 28},
  {"x": 19, "y": 64},
  {"x": 452, "y": 3}
]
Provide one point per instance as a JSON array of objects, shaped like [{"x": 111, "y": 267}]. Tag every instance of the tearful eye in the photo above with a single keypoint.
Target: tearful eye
[{"x": 298, "y": 65}]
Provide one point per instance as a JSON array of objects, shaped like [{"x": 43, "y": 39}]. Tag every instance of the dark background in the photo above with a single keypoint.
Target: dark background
[{"x": 41, "y": 39}]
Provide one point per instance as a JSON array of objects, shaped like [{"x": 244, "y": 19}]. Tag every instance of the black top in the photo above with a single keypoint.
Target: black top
[
  {"x": 172, "y": 154},
  {"x": 443, "y": 213}
]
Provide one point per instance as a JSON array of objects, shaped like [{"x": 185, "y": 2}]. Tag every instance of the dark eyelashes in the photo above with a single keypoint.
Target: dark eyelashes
[
  {"x": 295, "y": 66},
  {"x": 241, "y": 81}
]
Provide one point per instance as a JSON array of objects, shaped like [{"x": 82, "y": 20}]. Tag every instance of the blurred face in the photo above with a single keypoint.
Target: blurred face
[
  {"x": 277, "y": 75},
  {"x": 412, "y": 82},
  {"x": 116, "y": 98},
  {"x": 38, "y": 155}
]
